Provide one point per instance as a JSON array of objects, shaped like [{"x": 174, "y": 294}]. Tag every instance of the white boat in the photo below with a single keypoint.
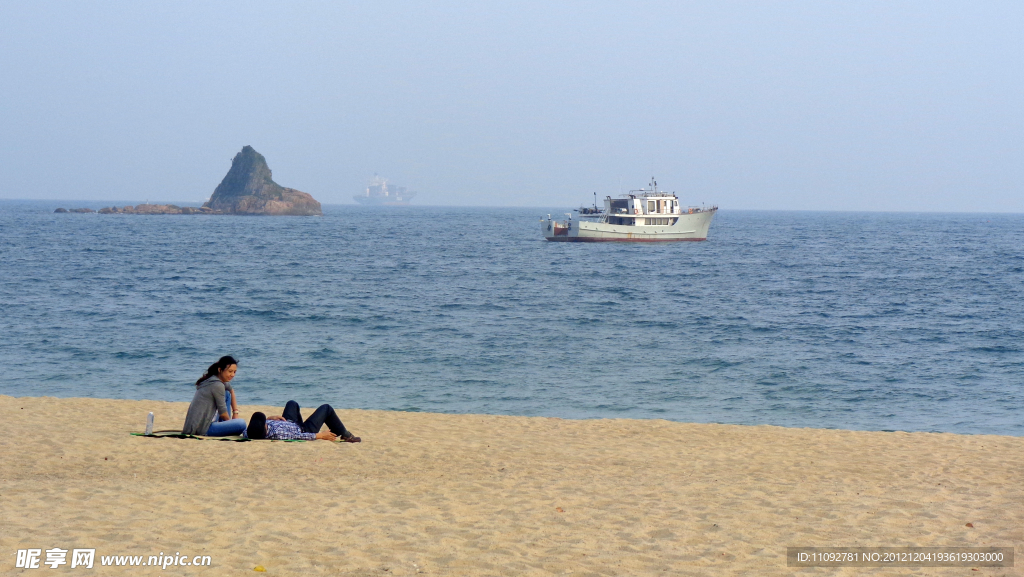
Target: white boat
[{"x": 644, "y": 215}]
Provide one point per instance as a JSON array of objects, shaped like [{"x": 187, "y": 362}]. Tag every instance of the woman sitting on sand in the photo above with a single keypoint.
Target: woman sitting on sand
[{"x": 210, "y": 402}]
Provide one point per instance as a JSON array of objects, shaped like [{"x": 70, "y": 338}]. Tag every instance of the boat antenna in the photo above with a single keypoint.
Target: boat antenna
[{"x": 595, "y": 200}]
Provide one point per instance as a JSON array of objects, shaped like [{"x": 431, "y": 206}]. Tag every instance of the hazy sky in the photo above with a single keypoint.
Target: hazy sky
[{"x": 755, "y": 105}]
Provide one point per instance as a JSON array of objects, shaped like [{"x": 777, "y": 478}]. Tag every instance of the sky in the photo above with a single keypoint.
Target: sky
[{"x": 796, "y": 105}]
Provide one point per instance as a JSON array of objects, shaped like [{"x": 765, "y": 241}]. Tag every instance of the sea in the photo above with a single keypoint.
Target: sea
[{"x": 865, "y": 321}]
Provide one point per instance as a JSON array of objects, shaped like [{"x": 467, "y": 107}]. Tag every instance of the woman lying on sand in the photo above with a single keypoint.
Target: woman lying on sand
[
  {"x": 291, "y": 426},
  {"x": 209, "y": 403}
]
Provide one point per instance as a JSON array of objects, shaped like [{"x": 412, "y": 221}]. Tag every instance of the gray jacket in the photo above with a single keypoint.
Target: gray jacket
[{"x": 207, "y": 403}]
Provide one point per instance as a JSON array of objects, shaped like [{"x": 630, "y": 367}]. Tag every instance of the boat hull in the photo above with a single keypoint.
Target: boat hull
[{"x": 688, "y": 227}]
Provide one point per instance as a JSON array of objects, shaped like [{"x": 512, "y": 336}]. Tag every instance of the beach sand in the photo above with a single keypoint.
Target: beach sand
[{"x": 492, "y": 495}]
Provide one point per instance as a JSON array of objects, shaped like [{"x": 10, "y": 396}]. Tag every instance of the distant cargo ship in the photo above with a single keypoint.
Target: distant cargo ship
[{"x": 381, "y": 193}]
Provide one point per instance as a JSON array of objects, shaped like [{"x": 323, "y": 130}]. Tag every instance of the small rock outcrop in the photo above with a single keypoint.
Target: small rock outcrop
[
  {"x": 248, "y": 188},
  {"x": 158, "y": 209}
]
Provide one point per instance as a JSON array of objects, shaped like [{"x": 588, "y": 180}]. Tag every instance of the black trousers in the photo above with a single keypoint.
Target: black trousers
[{"x": 324, "y": 414}]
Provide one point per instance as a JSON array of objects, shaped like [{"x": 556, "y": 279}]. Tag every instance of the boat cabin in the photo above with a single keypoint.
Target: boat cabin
[
  {"x": 646, "y": 208},
  {"x": 642, "y": 207}
]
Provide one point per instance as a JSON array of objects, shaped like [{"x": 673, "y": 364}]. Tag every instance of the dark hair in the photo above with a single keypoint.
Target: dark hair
[
  {"x": 257, "y": 428},
  {"x": 215, "y": 369}
]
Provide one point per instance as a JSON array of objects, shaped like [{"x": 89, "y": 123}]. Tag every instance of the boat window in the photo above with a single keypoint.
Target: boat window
[{"x": 650, "y": 206}]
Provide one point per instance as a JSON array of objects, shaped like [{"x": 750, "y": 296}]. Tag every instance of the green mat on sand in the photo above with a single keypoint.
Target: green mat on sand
[{"x": 180, "y": 435}]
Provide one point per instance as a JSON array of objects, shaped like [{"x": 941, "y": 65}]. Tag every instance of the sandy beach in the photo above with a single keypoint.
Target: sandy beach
[{"x": 492, "y": 495}]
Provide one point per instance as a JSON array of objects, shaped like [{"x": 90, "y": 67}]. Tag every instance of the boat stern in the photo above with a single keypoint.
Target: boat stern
[{"x": 556, "y": 230}]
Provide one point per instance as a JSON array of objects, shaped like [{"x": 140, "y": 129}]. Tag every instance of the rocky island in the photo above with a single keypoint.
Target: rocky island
[
  {"x": 248, "y": 188},
  {"x": 146, "y": 209}
]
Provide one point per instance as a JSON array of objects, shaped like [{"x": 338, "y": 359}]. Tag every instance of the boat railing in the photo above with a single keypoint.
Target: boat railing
[
  {"x": 698, "y": 209},
  {"x": 679, "y": 210}
]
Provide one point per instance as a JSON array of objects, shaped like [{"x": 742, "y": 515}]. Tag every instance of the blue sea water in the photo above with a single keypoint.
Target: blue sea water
[{"x": 870, "y": 321}]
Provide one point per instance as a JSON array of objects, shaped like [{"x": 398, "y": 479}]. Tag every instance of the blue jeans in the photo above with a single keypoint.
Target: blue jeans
[
  {"x": 323, "y": 415},
  {"x": 226, "y": 428},
  {"x": 227, "y": 403}
]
